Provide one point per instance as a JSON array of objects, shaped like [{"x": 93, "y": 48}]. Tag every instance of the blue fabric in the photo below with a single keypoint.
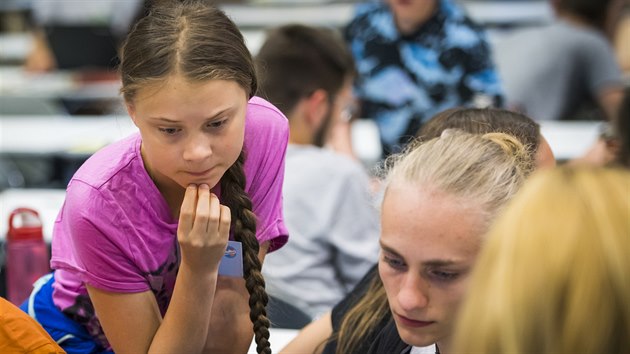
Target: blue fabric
[
  {"x": 70, "y": 335},
  {"x": 406, "y": 79}
]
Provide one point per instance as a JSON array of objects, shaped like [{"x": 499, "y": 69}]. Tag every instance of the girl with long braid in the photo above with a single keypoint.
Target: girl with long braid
[{"x": 138, "y": 243}]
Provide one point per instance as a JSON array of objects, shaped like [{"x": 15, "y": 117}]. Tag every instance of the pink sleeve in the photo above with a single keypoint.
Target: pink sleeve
[
  {"x": 266, "y": 139},
  {"x": 91, "y": 240}
]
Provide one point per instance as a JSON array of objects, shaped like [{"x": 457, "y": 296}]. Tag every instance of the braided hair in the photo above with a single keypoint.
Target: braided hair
[{"x": 244, "y": 225}]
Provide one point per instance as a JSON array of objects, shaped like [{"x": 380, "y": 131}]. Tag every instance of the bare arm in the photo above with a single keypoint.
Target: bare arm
[
  {"x": 311, "y": 338},
  {"x": 231, "y": 330},
  {"x": 132, "y": 322}
]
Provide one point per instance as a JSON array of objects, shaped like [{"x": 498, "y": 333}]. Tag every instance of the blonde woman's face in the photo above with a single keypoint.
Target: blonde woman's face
[
  {"x": 429, "y": 243},
  {"x": 191, "y": 132}
]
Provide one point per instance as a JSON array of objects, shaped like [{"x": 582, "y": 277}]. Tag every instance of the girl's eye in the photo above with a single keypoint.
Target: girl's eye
[
  {"x": 217, "y": 124},
  {"x": 443, "y": 276},
  {"x": 169, "y": 131},
  {"x": 394, "y": 263}
]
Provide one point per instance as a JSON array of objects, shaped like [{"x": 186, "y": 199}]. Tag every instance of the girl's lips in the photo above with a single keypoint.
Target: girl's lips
[
  {"x": 413, "y": 323},
  {"x": 199, "y": 174}
]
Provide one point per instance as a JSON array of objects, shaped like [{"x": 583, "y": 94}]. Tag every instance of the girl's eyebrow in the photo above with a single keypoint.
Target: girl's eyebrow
[
  {"x": 389, "y": 249},
  {"x": 172, "y": 121},
  {"x": 430, "y": 263},
  {"x": 165, "y": 120}
]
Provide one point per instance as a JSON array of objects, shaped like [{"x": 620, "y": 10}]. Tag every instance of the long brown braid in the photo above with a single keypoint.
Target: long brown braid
[
  {"x": 195, "y": 39},
  {"x": 244, "y": 225}
]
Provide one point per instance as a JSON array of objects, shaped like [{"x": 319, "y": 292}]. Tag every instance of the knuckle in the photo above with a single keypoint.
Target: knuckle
[
  {"x": 202, "y": 218},
  {"x": 214, "y": 219},
  {"x": 187, "y": 214}
]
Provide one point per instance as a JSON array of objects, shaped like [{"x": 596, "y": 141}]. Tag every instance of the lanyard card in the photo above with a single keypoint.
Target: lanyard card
[{"x": 232, "y": 262}]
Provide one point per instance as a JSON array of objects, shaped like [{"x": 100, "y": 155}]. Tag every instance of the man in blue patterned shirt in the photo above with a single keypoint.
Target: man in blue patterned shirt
[{"x": 416, "y": 58}]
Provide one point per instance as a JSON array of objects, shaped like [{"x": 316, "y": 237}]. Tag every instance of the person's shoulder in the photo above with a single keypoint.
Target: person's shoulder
[
  {"x": 109, "y": 161},
  {"x": 370, "y": 8},
  {"x": 455, "y": 13},
  {"x": 266, "y": 130},
  {"x": 262, "y": 115},
  {"x": 364, "y": 12},
  {"x": 324, "y": 161},
  {"x": 345, "y": 165},
  {"x": 266, "y": 139},
  {"x": 580, "y": 39}
]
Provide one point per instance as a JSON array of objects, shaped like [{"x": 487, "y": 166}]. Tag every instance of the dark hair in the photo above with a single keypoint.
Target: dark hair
[
  {"x": 594, "y": 12},
  {"x": 190, "y": 38},
  {"x": 623, "y": 129},
  {"x": 482, "y": 121},
  {"x": 194, "y": 39},
  {"x": 296, "y": 60}
]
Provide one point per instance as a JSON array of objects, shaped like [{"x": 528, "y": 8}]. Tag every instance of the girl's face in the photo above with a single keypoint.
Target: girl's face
[
  {"x": 191, "y": 132},
  {"x": 429, "y": 243}
]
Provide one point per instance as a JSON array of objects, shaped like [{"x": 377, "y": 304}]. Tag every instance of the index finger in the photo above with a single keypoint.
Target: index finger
[{"x": 187, "y": 210}]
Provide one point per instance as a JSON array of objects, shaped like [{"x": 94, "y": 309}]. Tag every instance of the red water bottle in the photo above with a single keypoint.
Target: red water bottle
[{"x": 27, "y": 254}]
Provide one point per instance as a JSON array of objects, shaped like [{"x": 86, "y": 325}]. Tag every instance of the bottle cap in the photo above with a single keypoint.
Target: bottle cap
[{"x": 30, "y": 228}]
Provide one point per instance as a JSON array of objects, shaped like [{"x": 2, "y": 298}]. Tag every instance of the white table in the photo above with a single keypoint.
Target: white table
[
  {"x": 569, "y": 140},
  {"x": 64, "y": 134},
  {"x": 15, "y": 82},
  {"x": 61, "y": 134}
]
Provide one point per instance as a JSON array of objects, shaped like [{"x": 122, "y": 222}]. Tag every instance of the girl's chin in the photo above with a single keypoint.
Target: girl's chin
[
  {"x": 210, "y": 182},
  {"x": 418, "y": 340}
]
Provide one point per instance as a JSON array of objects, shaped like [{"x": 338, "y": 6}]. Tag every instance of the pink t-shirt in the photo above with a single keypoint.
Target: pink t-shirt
[{"x": 115, "y": 231}]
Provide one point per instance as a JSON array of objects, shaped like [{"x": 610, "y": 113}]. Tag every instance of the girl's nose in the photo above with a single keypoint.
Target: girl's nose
[
  {"x": 413, "y": 294},
  {"x": 198, "y": 147}
]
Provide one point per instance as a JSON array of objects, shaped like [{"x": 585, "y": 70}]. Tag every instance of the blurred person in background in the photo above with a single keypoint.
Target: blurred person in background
[
  {"x": 416, "y": 58},
  {"x": 566, "y": 70},
  {"x": 619, "y": 32},
  {"x": 307, "y": 73},
  {"x": 115, "y": 15},
  {"x": 613, "y": 144}
]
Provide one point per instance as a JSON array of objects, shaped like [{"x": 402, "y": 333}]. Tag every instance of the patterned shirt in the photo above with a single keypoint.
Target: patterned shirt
[{"x": 403, "y": 80}]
